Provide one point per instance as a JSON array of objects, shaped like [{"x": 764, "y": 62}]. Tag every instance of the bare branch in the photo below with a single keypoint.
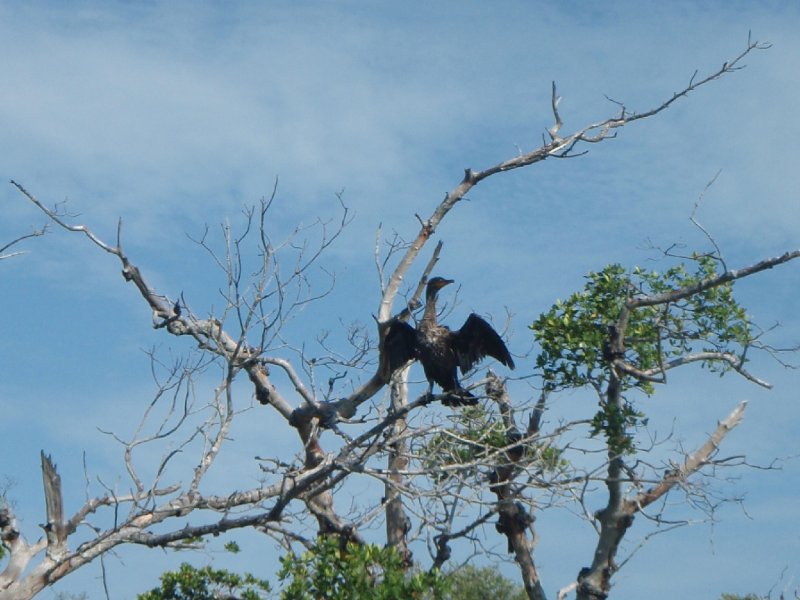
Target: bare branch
[
  {"x": 55, "y": 528},
  {"x": 56, "y": 218},
  {"x": 14, "y": 242},
  {"x": 657, "y": 375},
  {"x": 693, "y": 463},
  {"x": 514, "y": 520},
  {"x": 726, "y": 277},
  {"x": 617, "y": 517},
  {"x": 554, "y": 102},
  {"x": 697, "y": 224}
]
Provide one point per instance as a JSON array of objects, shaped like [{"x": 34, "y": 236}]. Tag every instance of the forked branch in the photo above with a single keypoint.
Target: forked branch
[{"x": 594, "y": 583}]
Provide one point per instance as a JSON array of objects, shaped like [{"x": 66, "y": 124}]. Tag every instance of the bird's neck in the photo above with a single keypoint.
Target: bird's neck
[{"x": 429, "y": 316}]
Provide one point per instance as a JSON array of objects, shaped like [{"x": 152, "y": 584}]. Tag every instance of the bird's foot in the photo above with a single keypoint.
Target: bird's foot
[
  {"x": 458, "y": 398},
  {"x": 428, "y": 398}
]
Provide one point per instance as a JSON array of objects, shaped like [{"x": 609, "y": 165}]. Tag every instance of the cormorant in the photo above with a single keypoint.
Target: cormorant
[{"x": 441, "y": 351}]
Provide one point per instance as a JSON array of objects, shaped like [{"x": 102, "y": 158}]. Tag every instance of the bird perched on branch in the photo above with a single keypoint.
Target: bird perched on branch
[{"x": 442, "y": 351}]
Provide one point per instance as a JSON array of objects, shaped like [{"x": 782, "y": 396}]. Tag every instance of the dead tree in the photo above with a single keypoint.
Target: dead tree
[{"x": 439, "y": 501}]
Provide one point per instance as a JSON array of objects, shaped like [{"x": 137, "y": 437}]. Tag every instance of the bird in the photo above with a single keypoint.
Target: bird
[{"x": 441, "y": 350}]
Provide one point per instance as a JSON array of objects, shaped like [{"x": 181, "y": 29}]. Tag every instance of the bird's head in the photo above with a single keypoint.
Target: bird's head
[{"x": 435, "y": 284}]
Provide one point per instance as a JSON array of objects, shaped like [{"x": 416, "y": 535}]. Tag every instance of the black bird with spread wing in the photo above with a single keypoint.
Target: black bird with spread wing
[{"x": 442, "y": 351}]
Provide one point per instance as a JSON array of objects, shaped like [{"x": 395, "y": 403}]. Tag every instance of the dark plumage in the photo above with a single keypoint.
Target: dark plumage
[{"x": 442, "y": 351}]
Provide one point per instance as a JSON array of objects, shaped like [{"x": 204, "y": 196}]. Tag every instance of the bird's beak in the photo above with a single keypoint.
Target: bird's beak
[{"x": 446, "y": 282}]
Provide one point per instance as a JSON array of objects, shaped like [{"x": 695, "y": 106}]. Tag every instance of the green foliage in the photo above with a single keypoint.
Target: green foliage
[
  {"x": 475, "y": 435},
  {"x": 616, "y": 422},
  {"x": 206, "y": 583},
  {"x": 5, "y": 485},
  {"x": 574, "y": 333},
  {"x": 473, "y": 583},
  {"x": 337, "y": 571},
  {"x": 334, "y": 573},
  {"x": 738, "y": 597},
  {"x": 194, "y": 542}
]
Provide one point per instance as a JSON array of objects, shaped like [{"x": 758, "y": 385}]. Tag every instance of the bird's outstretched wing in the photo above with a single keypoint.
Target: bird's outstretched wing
[
  {"x": 400, "y": 344},
  {"x": 477, "y": 339}
]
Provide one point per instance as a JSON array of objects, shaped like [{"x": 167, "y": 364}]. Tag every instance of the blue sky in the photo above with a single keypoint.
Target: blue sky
[{"x": 173, "y": 115}]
